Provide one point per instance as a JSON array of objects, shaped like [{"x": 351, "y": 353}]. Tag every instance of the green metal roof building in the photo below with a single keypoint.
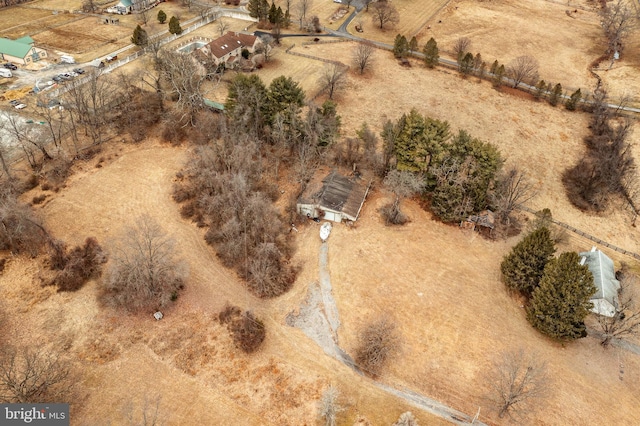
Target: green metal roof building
[{"x": 20, "y": 51}]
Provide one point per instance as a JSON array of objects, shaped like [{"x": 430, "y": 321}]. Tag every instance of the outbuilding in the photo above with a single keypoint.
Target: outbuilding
[
  {"x": 605, "y": 300},
  {"x": 334, "y": 197},
  {"x": 21, "y": 51}
]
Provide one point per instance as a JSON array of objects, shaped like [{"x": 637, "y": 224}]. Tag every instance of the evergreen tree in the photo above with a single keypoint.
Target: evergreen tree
[
  {"x": 283, "y": 93},
  {"x": 413, "y": 45},
  {"x": 498, "y": 76},
  {"x": 465, "y": 64},
  {"x": 174, "y": 26},
  {"x": 541, "y": 88},
  {"x": 162, "y": 17},
  {"x": 555, "y": 95},
  {"x": 431, "y": 53},
  {"x": 258, "y": 9},
  {"x": 273, "y": 11},
  {"x": 494, "y": 67},
  {"x": 246, "y": 102},
  {"x": 419, "y": 139},
  {"x": 400, "y": 46},
  {"x": 573, "y": 100},
  {"x": 463, "y": 176},
  {"x": 139, "y": 37},
  {"x": 561, "y": 302},
  {"x": 523, "y": 267}
]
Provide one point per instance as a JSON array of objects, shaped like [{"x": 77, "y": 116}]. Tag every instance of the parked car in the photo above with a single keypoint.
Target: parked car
[
  {"x": 57, "y": 79},
  {"x": 78, "y": 70},
  {"x": 65, "y": 76},
  {"x": 111, "y": 58},
  {"x": 5, "y": 73},
  {"x": 20, "y": 106},
  {"x": 10, "y": 66},
  {"x": 14, "y": 102}
]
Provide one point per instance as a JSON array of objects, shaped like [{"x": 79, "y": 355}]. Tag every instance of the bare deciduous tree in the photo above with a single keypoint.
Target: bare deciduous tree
[
  {"x": 29, "y": 375},
  {"x": 513, "y": 189},
  {"x": 403, "y": 184},
  {"x": 626, "y": 321},
  {"x": 383, "y": 13},
  {"x": 517, "y": 378},
  {"x": 406, "y": 419},
  {"x": 523, "y": 69},
  {"x": 328, "y": 407},
  {"x": 20, "y": 230},
  {"x": 618, "y": 21},
  {"x": 303, "y": 7},
  {"x": 363, "y": 56},
  {"x": 149, "y": 414},
  {"x": 184, "y": 80},
  {"x": 461, "y": 47},
  {"x": 377, "y": 342},
  {"x": 333, "y": 80},
  {"x": 145, "y": 274},
  {"x": 223, "y": 26}
]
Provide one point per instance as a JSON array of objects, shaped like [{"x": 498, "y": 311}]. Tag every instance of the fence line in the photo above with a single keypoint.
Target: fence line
[{"x": 586, "y": 235}]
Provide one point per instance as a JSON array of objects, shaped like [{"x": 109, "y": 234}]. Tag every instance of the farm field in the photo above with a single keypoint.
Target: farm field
[
  {"x": 414, "y": 17},
  {"x": 187, "y": 358},
  {"x": 20, "y": 21},
  {"x": 440, "y": 284}
]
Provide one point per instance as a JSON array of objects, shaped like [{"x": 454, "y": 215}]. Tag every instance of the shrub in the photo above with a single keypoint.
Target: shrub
[
  {"x": 78, "y": 266},
  {"x": 378, "y": 340},
  {"x": 246, "y": 330}
]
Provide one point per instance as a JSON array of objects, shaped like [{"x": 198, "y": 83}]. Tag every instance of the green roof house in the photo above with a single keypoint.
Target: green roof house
[
  {"x": 20, "y": 51},
  {"x": 605, "y": 300}
]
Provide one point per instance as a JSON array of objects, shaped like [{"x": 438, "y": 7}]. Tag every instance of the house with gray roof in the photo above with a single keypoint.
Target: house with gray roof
[
  {"x": 605, "y": 300},
  {"x": 334, "y": 197},
  {"x": 20, "y": 51}
]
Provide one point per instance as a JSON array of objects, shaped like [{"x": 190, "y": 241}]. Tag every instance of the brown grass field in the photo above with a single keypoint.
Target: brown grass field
[
  {"x": 20, "y": 21},
  {"x": 505, "y": 29},
  {"x": 439, "y": 283}
]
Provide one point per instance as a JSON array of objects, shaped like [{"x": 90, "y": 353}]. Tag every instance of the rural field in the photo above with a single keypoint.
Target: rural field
[{"x": 441, "y": 285}]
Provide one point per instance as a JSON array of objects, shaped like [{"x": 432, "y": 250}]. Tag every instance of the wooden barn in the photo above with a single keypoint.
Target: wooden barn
[{"x": 334, "y": 197}]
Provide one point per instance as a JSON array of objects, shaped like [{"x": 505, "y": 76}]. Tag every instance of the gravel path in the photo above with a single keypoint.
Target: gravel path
[{"x": 318, "y": 318}]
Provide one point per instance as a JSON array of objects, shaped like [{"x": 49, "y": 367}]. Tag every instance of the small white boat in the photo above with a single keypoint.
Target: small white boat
[{"x": 325, "y": 230}]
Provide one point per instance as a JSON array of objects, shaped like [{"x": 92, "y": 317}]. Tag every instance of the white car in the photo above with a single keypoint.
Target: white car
[{"x": 20, "y": 106}]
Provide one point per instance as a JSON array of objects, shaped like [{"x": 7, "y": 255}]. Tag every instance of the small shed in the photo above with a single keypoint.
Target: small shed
[
  {"x": 605, "y": 300},
  {"x": 485, "y": 220},
  {"x": 334, "y": 197}
]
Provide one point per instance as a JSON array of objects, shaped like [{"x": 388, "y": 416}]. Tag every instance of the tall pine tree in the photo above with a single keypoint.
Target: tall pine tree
[
  {"x": 139, "y": 37},
  {"x": 400, "y": 46},
  {"x": 561, "y": 302},
  {"x": 174, "y": 26},
  {"x": 522, "y": 269},
  {"x": 431, "y": 53}
]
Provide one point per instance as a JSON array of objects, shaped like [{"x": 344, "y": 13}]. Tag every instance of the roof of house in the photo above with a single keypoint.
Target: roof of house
[
  {"x": 16, "y": 48},
  {"x": 25, "y": 40},
  {"x": 335, "y": 192},
  {"x": 228, "y": 43},
  {"x": 125, "y": 3},
  {"x": 604, "y": 275}
]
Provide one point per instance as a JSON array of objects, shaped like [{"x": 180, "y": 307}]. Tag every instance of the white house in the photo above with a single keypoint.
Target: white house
[
  {"x": 605, "y": 300},
  {"x": 335, "y": 198}
]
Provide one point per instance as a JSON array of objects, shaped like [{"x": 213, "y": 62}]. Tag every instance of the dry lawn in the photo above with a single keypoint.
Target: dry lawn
[
  {"x": 83, "y": 35},
  {"x": 20, "y": 21},
  {"x": 414, "y": 16},
  {"x": 187, "y": 358}
]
